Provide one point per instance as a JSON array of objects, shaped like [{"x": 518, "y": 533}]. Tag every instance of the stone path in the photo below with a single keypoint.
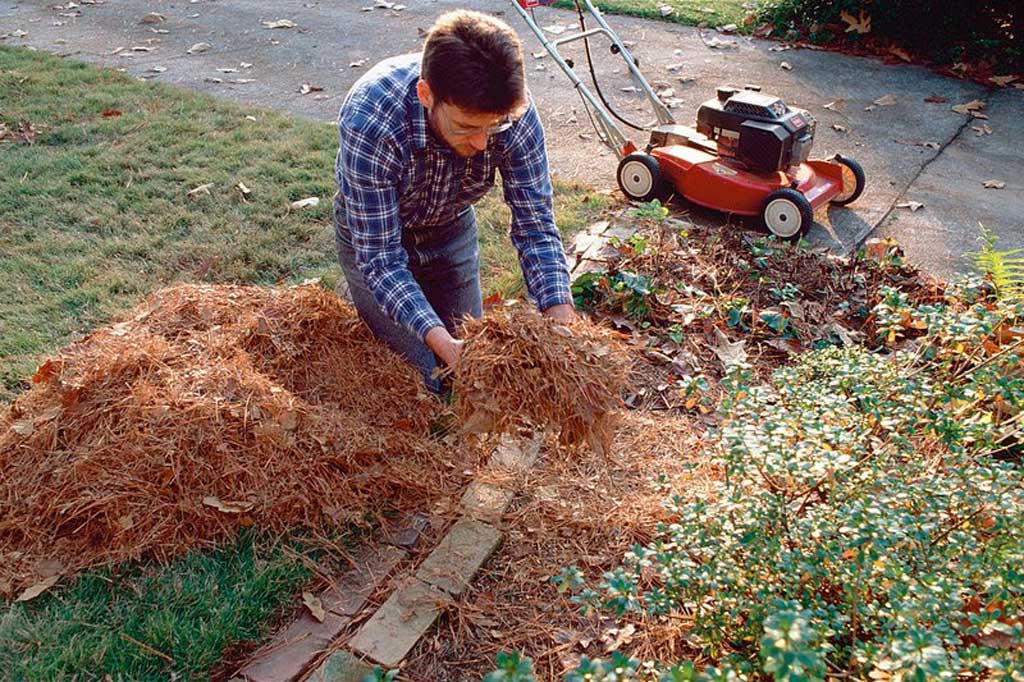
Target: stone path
[
  {"x": 912, "y": 150},
  {"x": 355, "y": 633}
]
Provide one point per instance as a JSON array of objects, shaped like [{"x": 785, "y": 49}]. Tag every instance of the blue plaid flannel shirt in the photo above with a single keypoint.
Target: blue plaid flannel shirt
[{"x": 399, "y": 184}]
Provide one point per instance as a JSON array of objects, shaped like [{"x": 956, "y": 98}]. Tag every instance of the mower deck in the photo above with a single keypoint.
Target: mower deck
[{"x": 710, "y": 181}]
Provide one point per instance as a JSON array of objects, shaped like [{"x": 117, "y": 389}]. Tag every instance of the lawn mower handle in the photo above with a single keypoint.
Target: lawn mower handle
[{"x": 608, "y": 130}]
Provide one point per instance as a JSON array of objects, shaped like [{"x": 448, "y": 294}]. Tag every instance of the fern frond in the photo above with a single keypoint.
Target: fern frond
[{"x": 1005, "y": 268}]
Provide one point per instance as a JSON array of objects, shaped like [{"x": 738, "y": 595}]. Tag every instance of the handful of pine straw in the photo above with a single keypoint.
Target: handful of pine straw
[{"x": 520, "y": 366}]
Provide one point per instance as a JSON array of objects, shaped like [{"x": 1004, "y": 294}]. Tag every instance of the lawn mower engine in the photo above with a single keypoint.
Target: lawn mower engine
[{"x": 756, "y": 132}]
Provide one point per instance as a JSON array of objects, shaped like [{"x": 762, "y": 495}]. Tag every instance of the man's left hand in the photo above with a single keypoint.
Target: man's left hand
[{"x": 563, "y": 313}]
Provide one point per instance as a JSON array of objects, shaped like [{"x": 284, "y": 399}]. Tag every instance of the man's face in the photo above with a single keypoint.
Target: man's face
[{"x": 466, "y": 132}]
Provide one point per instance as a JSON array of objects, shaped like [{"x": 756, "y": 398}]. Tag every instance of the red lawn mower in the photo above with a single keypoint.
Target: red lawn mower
[{"x": 748, "y": 155}]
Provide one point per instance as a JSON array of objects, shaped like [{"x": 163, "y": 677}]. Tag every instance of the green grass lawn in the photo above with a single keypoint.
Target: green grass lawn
[
  {"x": 94, "y": 216},
  {"x": 153, "y": 622},
  {"x": 688, "y": 12},
  {"x": 96, "y": 213}
]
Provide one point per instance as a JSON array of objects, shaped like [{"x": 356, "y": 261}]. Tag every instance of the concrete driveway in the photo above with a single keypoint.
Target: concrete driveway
[{"x": 912, "y": 150}]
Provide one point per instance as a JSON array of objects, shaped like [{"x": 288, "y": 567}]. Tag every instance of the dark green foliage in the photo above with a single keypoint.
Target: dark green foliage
[{"x": 946, "y": 32}]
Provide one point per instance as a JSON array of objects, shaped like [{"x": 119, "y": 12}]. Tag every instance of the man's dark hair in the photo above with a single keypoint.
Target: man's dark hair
[{"x": 475, "y": 62}]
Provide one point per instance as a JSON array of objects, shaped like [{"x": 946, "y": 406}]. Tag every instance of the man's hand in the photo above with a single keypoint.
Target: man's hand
[
  {"x": 444, "y": 345},
  {"x": 563, "y": 313}
]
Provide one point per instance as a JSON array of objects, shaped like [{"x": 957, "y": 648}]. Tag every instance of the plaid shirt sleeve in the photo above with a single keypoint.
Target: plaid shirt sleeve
[
  {"x": 368, "y": 173},
  {"x": 527, "y": 187}
]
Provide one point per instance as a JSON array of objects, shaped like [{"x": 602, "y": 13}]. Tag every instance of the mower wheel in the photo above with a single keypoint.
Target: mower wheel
[
  {"x": 640, "y": 178},
  {"x": 787, "y": 214},
  {"x": 853, "y": 181}
]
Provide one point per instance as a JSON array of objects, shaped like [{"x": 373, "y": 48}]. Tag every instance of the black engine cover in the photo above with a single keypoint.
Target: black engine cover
[{"x": 758, "y": 130}]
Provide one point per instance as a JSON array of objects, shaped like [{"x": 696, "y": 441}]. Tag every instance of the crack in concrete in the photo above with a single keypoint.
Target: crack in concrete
[{"x": 920, "y": 171}]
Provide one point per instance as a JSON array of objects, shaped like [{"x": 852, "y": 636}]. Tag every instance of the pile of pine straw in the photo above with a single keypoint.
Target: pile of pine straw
[
  {"x": 206, "y": 409},
  {"x": 518, "y": 366}
]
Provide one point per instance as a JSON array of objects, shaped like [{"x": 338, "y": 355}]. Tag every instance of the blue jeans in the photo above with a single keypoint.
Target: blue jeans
[{"x": 447, "y": 268}]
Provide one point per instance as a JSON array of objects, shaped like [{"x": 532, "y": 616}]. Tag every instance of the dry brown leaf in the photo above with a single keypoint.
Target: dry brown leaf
[
  {"x": 936, "y": 99},
  {"x": 835, "y": 105},
  {"x": 983, "y": 129},
  {"x": 227, "y": 507},
  {"x": 280, "y": 23},
  {"x": 25, "y": 427},
  {"x": 728, "y": 352},
  {"x": 199, "y": 48},
  {"x": 860, "y": 24},
  {"x": 201, "y": 190},
  {"x": 786, "y": 66},
  {"x": 839, "y": 128},
  {"x": 899, "y": 52},
  {"x": 315, "y": 606},
  {"x": 243, "y": 189},
  {"x": 308, "y": 202},
  {"x": 912, "y": 205},
  {"x": 306, "y": 88},
  {"x": 994, "y": 184},
  {"x": 153, "y": 18},
  {"x": 1003, "y": 81},
  {"x": 969, "y": 108},
  {"x": 886, "y": 100},
  {"x": 37, "y": 589}
]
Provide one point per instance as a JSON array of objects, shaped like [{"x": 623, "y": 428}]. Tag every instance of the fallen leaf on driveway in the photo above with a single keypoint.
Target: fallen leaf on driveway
[
  {"x": 994, "y": 184},
  {"x": 313, "y": 603},
  {"x": 307, "y": 88},
  {"x": 157, "y": 69},
  {"x": 18, "y": 33},
  {"x": 37, "y": 589},
  {"x": 358, "y": 63},
  {"x": 1003, "y": 81},
  {"x": 969, "y": 108},
  {"x": 306, "y": 203},
  {"x": 556, "y": 29},
  {"x": 280, "y": 23},
  {"x": 728, "y": 352},
  {"x": 213, "y": 79},
  {"x": 200, "y": 190},
  {"x": 861, "y": 25},
  {"x": 199, "y": 48},
  {"x": 936, "y": 99},
  {"x": 919, "y": 143},
  {"x": 719, "y": 44},
  {"x": 870, "y": 107},
  {"x": 835, "y": 105},
  {"x": 227, "y": 507},
  {"x": 787, "y": 66},
  {"x": 153, "y": 18},
  {"x": 886, "y": 100},
  {"x": 983, "y": 129},
  {"x": 899, "y": 52},
  {"x": 912, "y": 205},
  {"x": 838, "y": 128}
]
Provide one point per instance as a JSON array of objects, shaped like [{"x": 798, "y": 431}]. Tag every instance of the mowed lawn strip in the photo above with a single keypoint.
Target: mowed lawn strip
[
  {"x": 96, "y": 213},
  {"x": 686, "y": 12}
]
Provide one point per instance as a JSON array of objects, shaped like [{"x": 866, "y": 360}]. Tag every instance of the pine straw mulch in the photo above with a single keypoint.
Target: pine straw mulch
[
  {"x": 520, "y": 366},
  {"x": 207, "y": 409},
  {"x": 577, "y": 508}
]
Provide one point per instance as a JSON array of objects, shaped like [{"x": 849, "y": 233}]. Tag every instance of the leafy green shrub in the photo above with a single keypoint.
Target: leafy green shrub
[
  {"x": 863, "y": 525},
  {"x": 969, "y": 30}
]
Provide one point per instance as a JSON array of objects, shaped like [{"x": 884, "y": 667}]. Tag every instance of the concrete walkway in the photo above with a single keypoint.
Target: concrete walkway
[{"x": 912, "y": 150}]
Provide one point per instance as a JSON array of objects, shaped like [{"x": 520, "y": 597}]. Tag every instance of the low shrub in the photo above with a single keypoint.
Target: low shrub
[
  {"x": 967, "y": 31},
  {"x": 872, "y": 517}
]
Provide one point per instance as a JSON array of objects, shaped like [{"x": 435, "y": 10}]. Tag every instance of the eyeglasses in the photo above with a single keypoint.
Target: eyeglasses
[{"x": 499, "y": 127}]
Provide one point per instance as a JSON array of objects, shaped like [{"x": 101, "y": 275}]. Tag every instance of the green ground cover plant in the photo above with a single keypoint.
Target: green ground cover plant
[{"x": 871, "y": 521}]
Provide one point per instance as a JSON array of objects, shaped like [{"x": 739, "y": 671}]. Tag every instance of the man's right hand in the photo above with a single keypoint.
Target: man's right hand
[{"x": 444, "y": 345}]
